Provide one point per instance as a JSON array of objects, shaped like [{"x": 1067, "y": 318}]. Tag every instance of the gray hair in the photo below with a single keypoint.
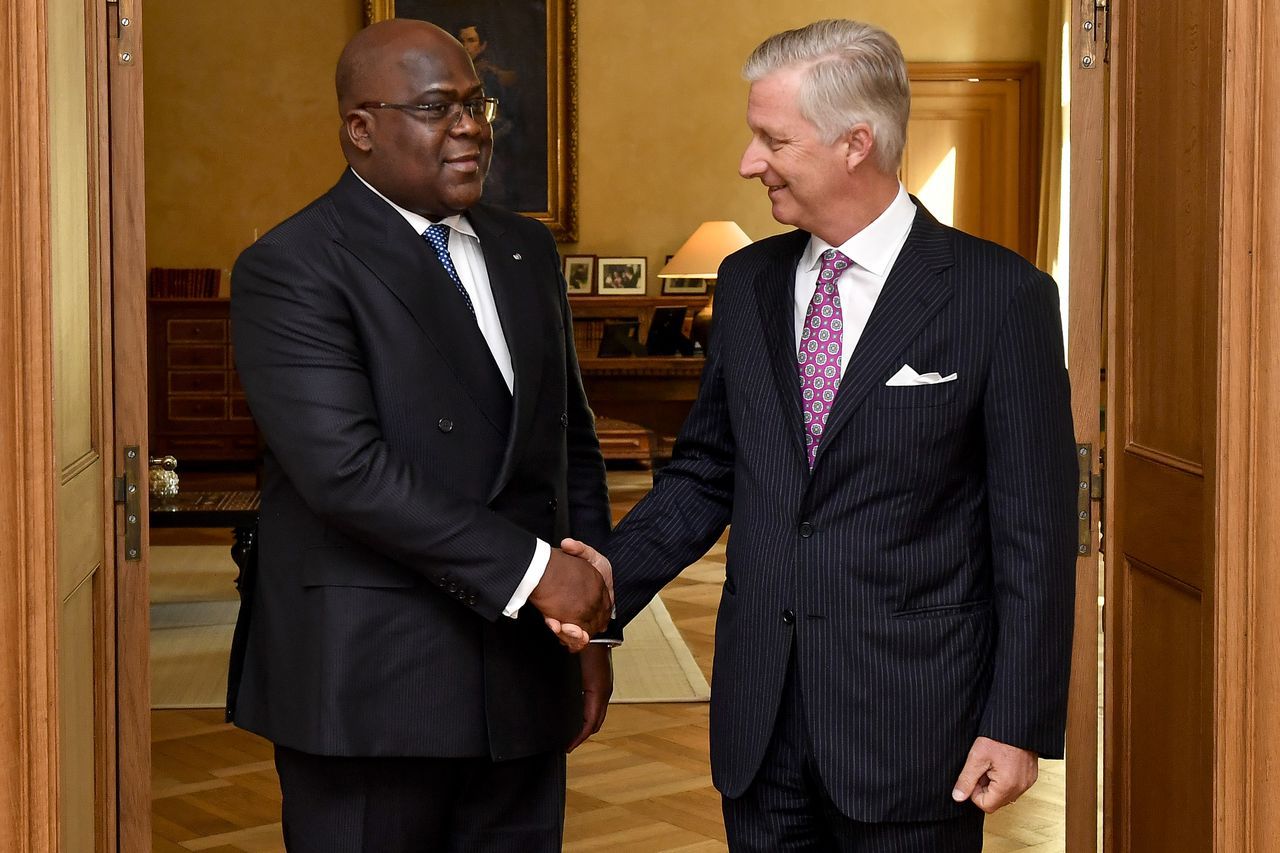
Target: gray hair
[{"x": 854, "y": 73}]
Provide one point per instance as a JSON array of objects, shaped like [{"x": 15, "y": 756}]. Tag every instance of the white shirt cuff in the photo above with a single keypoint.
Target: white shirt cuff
[{"x": 532, "y": 577}]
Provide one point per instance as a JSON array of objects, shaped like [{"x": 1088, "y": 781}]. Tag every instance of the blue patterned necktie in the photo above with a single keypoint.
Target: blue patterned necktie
[{"x": 438, "y": 236}]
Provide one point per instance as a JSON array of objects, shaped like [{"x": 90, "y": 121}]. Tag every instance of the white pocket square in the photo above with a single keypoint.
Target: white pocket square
[{"x": 907, "y": 376}]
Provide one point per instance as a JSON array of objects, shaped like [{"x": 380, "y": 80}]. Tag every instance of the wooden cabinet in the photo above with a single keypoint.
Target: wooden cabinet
[
  {"x": 590, "y": 313},
  {"x": 197, "y": 408},
  {"x": 637, "y": 395}
]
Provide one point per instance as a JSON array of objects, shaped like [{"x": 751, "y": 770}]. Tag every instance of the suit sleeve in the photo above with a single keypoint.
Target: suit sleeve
[
  {"x": 301, "y": 363},
  {"x": 1031, "y": 485},
  {"x": 692, "y": 496}
]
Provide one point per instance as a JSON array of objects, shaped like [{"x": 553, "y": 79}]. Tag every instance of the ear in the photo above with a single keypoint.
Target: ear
[
  {"x": 358, "y": 127},
  {"x": 859, "y": 142}
]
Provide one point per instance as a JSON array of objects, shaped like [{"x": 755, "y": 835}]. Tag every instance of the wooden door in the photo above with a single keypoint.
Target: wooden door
[
  {"x": 1165, "y": 265},
  {"x": 68, "y": 585}
]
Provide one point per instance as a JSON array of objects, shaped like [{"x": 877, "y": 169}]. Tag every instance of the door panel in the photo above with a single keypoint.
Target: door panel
[
  {"x": 85, "y": 689},
  {"x": 1165, "y": 701},
  {"x": 1165, "y": 255}
]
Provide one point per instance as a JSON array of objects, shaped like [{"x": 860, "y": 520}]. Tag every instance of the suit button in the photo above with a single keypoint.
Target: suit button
[
  {"x": 788, "y": 616},
  {"x": 553, "y": 505},
  {"x": 564, "y": 420},
  {"x": 806, "y": 530},
  {"x": 445, "y": 425}
]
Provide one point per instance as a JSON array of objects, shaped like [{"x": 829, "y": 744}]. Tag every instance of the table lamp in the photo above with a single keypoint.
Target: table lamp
[{"x": 700, "y": 257}]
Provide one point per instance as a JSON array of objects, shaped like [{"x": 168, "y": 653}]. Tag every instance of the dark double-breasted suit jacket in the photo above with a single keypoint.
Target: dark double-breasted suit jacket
[
  {"x": 404, "y": 485},
  {"x": 921, "y": 577}
]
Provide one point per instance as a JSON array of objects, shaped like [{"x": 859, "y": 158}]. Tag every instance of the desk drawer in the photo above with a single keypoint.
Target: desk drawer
[
  {"x": 197, "y": 382},
  {"x": 197, "y": 356},
  {"x": 197, "y": 330}
]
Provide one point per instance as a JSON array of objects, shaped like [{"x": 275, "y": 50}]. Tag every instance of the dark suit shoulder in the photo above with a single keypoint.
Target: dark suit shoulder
[
  {"x": 318, "y": 220},
  {"x": 996, "y": 269}
]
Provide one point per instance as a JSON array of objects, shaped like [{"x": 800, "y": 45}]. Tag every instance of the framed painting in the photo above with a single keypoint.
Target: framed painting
[
  {"x": 535, "y": 134},
  {"x": 620, "y": 276}
]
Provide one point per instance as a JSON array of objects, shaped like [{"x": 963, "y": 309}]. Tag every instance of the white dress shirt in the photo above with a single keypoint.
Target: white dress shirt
[
  {"x": 873, "y": 251},
  {"x": 468, "y": 260}
]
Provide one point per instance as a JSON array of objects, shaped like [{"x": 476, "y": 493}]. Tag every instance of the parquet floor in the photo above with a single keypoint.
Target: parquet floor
[{"x": 643, "y": 784}]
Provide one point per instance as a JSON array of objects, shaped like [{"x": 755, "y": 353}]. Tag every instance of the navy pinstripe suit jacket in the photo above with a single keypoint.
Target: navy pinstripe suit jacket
[
  {"x": 923, "y": 574},
  {"x": 403, "y": 487}
]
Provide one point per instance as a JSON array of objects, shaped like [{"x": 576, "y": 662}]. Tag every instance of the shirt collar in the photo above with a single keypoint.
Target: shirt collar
[
  {"x": 458, "y": 221},
  {"x": 875, "y": 246}
]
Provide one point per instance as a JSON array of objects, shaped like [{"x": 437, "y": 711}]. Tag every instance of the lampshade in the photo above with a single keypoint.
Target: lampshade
[{"x": 701, "y": 254}]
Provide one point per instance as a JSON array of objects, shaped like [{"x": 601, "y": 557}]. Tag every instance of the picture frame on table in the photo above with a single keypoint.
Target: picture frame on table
[
  {"x": 580, "y": 274},
  {"x": 621, "y": 276},
  {"x": 535, "y": 133},
  {"x": 685, "y": 286}
]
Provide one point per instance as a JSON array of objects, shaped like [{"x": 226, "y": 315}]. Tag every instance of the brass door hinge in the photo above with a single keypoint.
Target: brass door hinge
[
  {"x": 1089, "y": 488},
  {"x": 128, "y": 492},
  {"x": 1096, "y": 22}
]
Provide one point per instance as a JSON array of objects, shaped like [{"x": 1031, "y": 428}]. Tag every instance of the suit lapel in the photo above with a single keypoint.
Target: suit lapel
[
  {"x": 775, "y": 301},
  {"x": 386, "y": 245},
  {"x": 915, "y": 291},
  {"x": 516, "y": 295}
]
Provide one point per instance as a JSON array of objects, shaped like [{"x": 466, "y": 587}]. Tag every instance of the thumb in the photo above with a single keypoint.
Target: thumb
[
  {"x": 974, "y": 767},
  {"x": 576, "y": 548}
]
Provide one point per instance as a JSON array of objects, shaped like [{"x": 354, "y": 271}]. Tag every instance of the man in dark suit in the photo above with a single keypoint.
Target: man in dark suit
[
  {"x": 408, "y": 355},
  {"x": 884, "y": 419}
]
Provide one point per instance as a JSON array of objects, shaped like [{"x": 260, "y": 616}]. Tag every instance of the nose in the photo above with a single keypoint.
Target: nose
[
  {"x": 752, "y": 164},
  {"x": 468, "y": 124}
]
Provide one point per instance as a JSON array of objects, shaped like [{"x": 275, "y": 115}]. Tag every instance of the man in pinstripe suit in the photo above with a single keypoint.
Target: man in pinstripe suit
[{"x": 884, "y": 419}]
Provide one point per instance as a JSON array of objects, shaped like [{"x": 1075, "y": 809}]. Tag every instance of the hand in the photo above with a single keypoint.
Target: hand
[
  {"x": 592, "y": 556},
  {"x": 572, "y": 591},
  {"x": 572, "y": 636},
  {"x": 597, "y": 687},
  {"x": 995, "y": 774}
]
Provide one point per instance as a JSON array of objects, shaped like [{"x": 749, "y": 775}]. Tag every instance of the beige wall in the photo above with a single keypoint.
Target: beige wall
[
  {"x": 241, "y": 129},
  {"x": 241, "y": 126}
]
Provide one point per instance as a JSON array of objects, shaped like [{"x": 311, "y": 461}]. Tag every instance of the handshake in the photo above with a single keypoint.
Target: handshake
[{"x": 575, "y": 595}]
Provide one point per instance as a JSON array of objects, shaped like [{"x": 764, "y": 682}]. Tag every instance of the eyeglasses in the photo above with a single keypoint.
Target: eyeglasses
[{"x": 446, "y": 114}]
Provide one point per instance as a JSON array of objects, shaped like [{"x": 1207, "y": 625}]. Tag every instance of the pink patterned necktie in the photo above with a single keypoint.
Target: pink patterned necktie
[{"x": 819, "y": 358}]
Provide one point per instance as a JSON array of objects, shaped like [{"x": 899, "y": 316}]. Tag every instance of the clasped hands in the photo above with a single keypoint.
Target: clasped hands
[{"x": 575, "y": 595}]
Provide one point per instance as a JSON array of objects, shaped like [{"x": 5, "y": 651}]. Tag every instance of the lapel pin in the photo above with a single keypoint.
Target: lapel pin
[{"x": 517, "y": 256}]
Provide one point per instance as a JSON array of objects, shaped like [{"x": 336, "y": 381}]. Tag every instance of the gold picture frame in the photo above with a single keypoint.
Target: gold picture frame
[{"x": 548, "y": 192}]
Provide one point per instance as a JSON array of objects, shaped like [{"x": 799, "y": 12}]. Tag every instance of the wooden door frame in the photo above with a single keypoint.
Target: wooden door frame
[
  {"x": 1247, "y": 487},
  {"x": 129, "y": 379},
  {"x": 1087, "y": 185},
  {"x": 28, "y": 605}
]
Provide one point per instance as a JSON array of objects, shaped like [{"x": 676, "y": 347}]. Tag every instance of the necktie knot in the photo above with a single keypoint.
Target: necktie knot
[{"x": 834, "y": 263}]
